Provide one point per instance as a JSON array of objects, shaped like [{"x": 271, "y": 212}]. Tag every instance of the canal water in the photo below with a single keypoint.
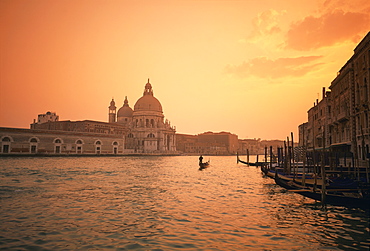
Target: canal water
[{"x": 163, "y": 203}]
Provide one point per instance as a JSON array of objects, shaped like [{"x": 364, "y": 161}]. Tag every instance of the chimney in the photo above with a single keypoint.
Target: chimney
[{"x": 323, "y": 92}]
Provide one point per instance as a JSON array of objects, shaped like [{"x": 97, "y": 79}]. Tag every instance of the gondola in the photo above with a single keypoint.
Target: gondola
[
  {"x": 244, "y": 162},
  {"x": 203, "y": 165},
  {"x": 249, "y": 163},
  {"x": 339, "y": 197}
]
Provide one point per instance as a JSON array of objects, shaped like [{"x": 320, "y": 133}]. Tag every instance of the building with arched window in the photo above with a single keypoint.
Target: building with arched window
[
  {"x": 340, "y": 123},
  {"x": 147, "y": 130},
  {"x": 141, "y": 130}
]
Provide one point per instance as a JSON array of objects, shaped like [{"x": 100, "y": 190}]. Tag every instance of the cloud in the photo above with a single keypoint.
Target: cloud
[
  {"x": 266, "y": 23},
  {"x": 263, "y": 67},
  {"x": 328, "y": 29},
  {"x": 351, "y": 6}
]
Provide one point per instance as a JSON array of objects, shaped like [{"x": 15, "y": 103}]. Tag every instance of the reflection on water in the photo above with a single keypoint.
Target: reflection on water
[{"x": 163, "y": 203}]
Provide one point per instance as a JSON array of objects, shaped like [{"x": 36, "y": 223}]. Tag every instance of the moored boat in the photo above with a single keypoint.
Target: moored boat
[
  {"x": 340, "y": 197},
  {"x": 345, "y": 196}
]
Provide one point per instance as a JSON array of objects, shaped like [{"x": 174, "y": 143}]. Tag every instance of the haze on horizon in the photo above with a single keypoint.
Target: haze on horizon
[{"x": 252, "y": 68}]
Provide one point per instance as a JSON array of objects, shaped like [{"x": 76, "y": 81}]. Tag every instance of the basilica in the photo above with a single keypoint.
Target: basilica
[
  {"x": 146, "y": 129},
  {"x": 142, "y": 130}
]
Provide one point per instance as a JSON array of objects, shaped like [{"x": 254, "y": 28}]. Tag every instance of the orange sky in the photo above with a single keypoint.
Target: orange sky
[{"x": 252, "y": 68}]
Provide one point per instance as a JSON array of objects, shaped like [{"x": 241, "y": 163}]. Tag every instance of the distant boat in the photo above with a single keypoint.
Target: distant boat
[{"x": 203, "y": 165}]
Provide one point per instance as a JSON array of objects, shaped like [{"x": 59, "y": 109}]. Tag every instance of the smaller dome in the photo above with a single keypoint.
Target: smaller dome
[{"x": 125, "y": 110}]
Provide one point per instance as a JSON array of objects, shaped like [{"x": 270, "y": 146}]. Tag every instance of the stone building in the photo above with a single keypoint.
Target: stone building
[
  {"x": 226, "y": 139},
  {"x": 340, "y": 121},
  {"x": 196, "y": 145},
  {"x": 147, "y": 131},
  {"x": 208, "y": 143},
  {"x": 49, "y": 116},
  {"x": 141, "y": 130},
  {"x": 51, "y": 142}
]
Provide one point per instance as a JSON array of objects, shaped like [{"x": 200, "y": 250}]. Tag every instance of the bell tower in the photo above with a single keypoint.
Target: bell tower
[{"x": 112, "y": 112}]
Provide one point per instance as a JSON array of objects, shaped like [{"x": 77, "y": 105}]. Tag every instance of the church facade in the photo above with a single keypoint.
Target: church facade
[
  {"x": 142, "y": 130},
  {"x": 147, "y": 131}
]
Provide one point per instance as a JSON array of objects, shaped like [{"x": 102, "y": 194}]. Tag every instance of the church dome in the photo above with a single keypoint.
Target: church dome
[
  {"x": 125, "y": 110},
  {"x": 148, "y": 102}
]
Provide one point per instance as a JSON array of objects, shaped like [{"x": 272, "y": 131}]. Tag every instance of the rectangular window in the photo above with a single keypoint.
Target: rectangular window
[{"x": 5, "y": 148}]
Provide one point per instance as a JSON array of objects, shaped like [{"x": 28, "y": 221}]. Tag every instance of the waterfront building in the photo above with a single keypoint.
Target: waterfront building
[
  {"x": 253, "y": 146},
  {"x": 340, "y": 121},
  {"x": 225, "y": 139},
  {"x": 303, "y": 135},
  {"x": 18, "y": 141},
  {"x": 223, "y": 143},
  {"x": 196, "y": 145},
  {"x": 208, "y": 143},
  {"x": 147, "y": 131},
  {"x": 141, "y": 130}
]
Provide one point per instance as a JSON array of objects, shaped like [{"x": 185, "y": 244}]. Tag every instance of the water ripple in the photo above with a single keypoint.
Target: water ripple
[{"x": 163, "y": 203}]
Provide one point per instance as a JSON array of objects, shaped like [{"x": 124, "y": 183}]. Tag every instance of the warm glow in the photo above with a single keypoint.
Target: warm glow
[{"x": 252, "y": 68}]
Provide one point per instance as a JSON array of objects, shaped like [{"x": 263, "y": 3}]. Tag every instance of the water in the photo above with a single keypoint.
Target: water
[{"x": 163, "y": 203}]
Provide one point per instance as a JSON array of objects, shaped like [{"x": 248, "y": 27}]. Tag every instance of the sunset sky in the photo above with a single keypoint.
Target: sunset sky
[{"x": 248, "y": 67}]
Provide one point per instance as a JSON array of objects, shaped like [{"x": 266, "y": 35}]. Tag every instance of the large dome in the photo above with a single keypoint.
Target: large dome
[{"x": 148, "y": 102}]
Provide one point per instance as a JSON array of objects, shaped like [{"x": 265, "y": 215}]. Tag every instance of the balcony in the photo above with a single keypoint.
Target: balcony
[{"x": 343, "y": 116}]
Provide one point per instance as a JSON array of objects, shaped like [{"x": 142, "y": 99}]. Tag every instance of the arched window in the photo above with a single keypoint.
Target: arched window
[
  {"x": 79, "y": 143},
  {"x": 130, "y": 135},
  {"x": 33, "y": 145},
  {"x": 98, "y": 147},
  {"x": 6, "y": 139},
  {"x": 151, "y": 135},
  {"x": 6, "y": 142},
  {"x": 115, "y": 147},
  {"x": 57, "y": 145}
]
